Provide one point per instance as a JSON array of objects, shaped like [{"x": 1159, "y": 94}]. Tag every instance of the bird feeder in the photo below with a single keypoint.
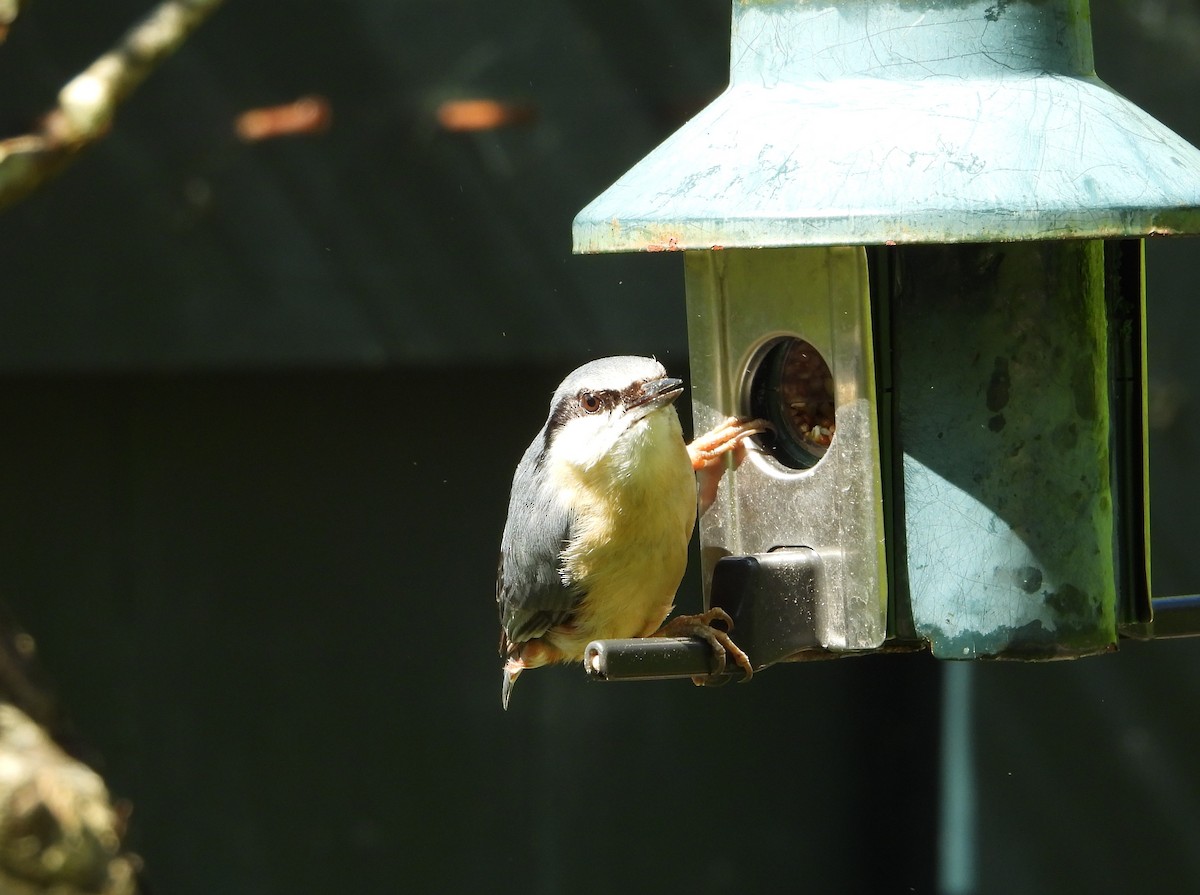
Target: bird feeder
[{"x": 913, "y": 239}]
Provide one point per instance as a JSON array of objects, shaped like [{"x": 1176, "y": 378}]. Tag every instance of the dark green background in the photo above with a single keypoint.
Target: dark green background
[{"x": 261, "y": 405}]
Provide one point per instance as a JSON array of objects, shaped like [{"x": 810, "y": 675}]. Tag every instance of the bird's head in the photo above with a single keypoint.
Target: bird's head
[{"x": 615, "y": 407}]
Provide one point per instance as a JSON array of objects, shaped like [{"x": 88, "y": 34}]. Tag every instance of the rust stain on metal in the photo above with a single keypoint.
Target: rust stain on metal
[{"x": 671, "y": 245}]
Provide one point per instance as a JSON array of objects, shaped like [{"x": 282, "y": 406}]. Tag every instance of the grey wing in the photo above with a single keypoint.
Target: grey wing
[{"x": 531, "y": 594}]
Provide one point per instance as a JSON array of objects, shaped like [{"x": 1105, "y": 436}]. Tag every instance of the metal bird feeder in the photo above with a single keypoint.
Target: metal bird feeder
[{"x": 913, "y": 239}]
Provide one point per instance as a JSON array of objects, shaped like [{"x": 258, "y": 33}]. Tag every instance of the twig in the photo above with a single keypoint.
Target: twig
[
  {"x": 87, "y": 104},
  {"x": 60, "y": 831},
  {"x": 9, "y": 10}
]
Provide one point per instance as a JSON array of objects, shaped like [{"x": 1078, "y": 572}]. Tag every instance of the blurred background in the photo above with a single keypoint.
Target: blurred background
[{"x": 262, "y": 397}]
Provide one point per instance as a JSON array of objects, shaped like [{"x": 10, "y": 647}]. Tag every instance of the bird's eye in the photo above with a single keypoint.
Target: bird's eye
[{"x": 589, "y": 402}]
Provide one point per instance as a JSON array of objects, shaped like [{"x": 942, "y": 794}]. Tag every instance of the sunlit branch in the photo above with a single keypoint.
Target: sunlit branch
[{"x": 87, "y": 104}]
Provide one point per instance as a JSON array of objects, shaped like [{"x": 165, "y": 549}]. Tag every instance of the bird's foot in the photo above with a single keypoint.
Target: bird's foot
[
  {"x": 707, "y": 450},
  {"x": 718, "y": 640}
]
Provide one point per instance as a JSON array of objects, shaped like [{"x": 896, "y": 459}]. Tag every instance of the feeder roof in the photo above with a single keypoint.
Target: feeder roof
[{"x": 1013, "y": 138}]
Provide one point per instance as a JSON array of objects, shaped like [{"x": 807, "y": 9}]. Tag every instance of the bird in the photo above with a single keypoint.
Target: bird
[{"x": 602, "y": 508}]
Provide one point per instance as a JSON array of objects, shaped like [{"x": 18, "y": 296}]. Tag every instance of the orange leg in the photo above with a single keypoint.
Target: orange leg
[{"x": 707, "y": 450}]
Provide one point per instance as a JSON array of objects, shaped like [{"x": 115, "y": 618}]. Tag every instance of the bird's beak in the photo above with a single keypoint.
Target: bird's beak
[{"x": 655, "y": 394}]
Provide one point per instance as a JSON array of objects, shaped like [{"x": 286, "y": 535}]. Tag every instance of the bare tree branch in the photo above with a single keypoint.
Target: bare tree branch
[
  {"x": 60, "y": 833},
  {"x": 9, "y": 10},
  {"x": 87, "y": 104}
]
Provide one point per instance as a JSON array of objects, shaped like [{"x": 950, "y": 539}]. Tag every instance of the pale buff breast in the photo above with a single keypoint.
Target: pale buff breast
[{"x": 635, "y": 514}]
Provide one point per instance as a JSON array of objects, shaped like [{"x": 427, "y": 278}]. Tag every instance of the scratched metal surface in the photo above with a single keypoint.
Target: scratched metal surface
[
  {"x": 739, "y": 304},
  {"x": 1004, "y": 423},
  {"x": 862, "y": 123}
]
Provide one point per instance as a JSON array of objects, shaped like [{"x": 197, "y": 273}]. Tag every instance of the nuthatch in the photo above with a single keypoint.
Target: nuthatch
[{"x": 602, "y": 508}]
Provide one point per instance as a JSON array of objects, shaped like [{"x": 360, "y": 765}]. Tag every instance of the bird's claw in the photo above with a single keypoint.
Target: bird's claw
[
  {"x": 708, "y": 448},
  {"x": 706, "y": 452},
  {"x": 718, "y": 639}
]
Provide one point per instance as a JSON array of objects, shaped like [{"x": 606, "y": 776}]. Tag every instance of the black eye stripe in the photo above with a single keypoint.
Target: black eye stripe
[
  {"x": 608, "y": 399},
  {"x": 571, "y": 407},
  {"x": 633, "y": 392}
]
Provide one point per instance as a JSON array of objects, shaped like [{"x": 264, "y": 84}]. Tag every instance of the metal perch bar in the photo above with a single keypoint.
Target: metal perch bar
[{"x": 651, "y": 658}]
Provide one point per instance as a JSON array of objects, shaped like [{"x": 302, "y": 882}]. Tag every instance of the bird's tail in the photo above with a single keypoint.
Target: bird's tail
[{"x": 511, "y": 671}]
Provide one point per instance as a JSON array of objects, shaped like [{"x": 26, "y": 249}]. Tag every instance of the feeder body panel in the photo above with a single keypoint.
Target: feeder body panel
[
  {"x": 1125, "y": 295},
  {"x": 1002, "y": 400},
  {"x": 741, "y": 304}
]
